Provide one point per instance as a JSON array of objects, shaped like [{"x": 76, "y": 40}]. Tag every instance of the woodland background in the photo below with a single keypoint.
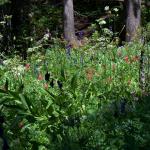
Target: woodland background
[{"x": 74, "y": 75}]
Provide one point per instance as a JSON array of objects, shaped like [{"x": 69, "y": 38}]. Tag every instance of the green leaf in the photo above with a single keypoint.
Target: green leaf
[
  {"x": 15, "y": 107},
  {"x": 63, "y": 74},
  {"x": 74, "y": 82},
  {"x": 51, "y": 94},
  {"x": 55, "y": 113},
  {"x": 14, "y": 94},
  {"x": 24, "y": 102},
  {"x": 3, "y": 91},
  {"x": 5, "y": 99},
  {"x": 21, "y": 87},
  {"x": 6, "y": 85},
  {"x": 31, "y": 118},
  {"x": 49, "y": 104}
]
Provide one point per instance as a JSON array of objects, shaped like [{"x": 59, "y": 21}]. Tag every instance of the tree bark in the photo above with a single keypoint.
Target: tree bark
[
  {"x": 69, "y": 29},
  {"x": 133, "y": 18}
]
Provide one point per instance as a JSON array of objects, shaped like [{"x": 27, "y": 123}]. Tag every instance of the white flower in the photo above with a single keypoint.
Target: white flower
[
  {"x": 116, "y": 9},
  {"x": 1, "y": 36},
  {"x": 106, "y": 8},
  {"x": 21, "y": 68},
  {"x": 14, "y": 38},
  {"x": 18, "y": 70},
  {"x": 7, "y": 62},
  {"x": 2, "y": 22},
  {"x": 46, "y": 36},
  {"x": 31, "y": 39},
  {"x": 101, "y": 22}
]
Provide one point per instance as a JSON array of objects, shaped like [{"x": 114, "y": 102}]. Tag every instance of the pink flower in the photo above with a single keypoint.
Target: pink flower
[
  {"x": 119, "y": 53},
  {"x": 27, "y": 67},
  {"x": 46, "y": 86},
  {"x": 109, "y": 79},
  {"x": 113, "y": 67},
  {"x": 126, "y": 59},
  {"x": 40, "y": 77},
  {"x": 21, "y": 124},
  {"x": 135, "y": 58},
  {"x": 129, "y": 82}
]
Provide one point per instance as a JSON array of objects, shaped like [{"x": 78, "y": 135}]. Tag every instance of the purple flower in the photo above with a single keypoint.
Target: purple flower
[
  {"x": 75, "y": 61},
  {"x": 82, "y": 60},
  {"x": 122, "y": 106},
  {"x": 52, "y": 83},
  {"x": 68, "y": 50},
  {"x": 47, "y": 76},
  {"x": 60, "y": 85},
  {"x": 110, "y": 28},
  {"x": 91, "y": 58},
  {"x": 80, "y": 34}
]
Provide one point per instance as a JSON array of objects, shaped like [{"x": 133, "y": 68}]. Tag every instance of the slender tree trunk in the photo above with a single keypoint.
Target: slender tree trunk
[
  {"x": 133, "y": 18},
  {"x": 69, "y": 31}
]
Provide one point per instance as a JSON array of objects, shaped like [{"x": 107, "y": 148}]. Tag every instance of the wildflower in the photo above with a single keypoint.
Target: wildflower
[
  {"x": 14, "y": 38},
  {"x": 46, "y": 86},
  {"x": 7, "y": 62},
  {"x": 113, "y": 67},
  {"x": 126, "y": 59},
  {"x": 47, "y": 76},
  {"x": 91, "y": 58},
  {"x": 75, "y": 61},
  {"x": 2, "y": 22},
  {"x": 81, "y": 60},
  {"x": 129, "y": 82},
  {"x": 27, "y": 67},
  {"x": 36, "y": 70},
  {"x": 21, "y": 124},
  {"x": 52, "y": 83},
  {"x": 46, "y": 36},
  {"x": 122, "y": 106},
  {"x": 104, "y": 66},
  {"x": 101, "y": 22},
  {"x": 135, "y": 58},
  {"x": 31, "y": 39},
  {"x": 18, "y": 71},
  {"x": 119, "y": 53},
  {"x": 60, "y": 85},
  {"x": 110, "y": 28},
  {"x": 113, "y": 58},
  {"x": 106, "y": 8},
  {"x": 80, "y": 34},
  {"x": 109, "y": 79},
  {"x": 68, "y": 50},
  {"x": 90, "y": 73},
  {"x": 116, "y": 9},
  {"x": 40, "y": 77}
]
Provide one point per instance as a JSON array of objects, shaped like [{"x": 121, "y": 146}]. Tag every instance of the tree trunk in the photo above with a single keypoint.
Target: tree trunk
[
  {"x": 69, "y": 30},
  {"x": 133, "y": 18}
]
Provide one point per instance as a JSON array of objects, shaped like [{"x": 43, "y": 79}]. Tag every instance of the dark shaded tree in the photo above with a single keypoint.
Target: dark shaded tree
[
  {"x": 133, "y": 19},
  {"x": 69, "y": 29}
]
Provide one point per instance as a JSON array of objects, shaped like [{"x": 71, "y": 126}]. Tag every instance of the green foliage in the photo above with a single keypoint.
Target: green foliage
[
  {"x": 79, "y": 105},
  {"x": 48, "y": 17},
  {"x": 86, "y": 98},
  {"x": 2, "y": 2}
]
